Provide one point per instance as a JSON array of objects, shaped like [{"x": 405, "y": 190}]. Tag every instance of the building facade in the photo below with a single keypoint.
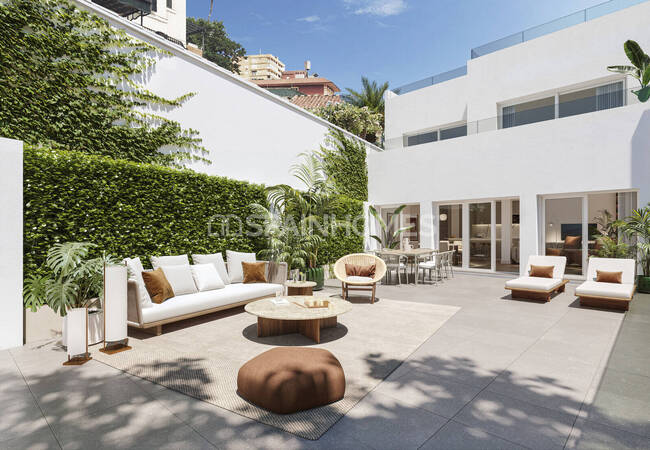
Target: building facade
[
  {"x": 307, "y": 86},
  {"x": 260, "y": 67},
  {"x": 522, "y": 151}
]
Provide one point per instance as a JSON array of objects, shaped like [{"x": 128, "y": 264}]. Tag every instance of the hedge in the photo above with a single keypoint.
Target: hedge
[
  {"x": 132, "y": 209},
  {"x": 343, "y": 242}
]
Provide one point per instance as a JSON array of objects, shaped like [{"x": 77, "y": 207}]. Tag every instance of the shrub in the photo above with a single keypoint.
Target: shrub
[{"x": 344, "y": 161}]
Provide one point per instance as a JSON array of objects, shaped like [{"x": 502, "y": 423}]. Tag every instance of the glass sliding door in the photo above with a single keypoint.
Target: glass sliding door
[
  {"x": 480, "y": 225},
  {"x": 564, "y": 231},
  {"x": 507, "y": 235},
  {"x": 450, "y": 226}
]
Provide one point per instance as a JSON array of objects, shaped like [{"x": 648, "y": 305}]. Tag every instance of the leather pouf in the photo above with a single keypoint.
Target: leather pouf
[{"x": 285, "y": 380}]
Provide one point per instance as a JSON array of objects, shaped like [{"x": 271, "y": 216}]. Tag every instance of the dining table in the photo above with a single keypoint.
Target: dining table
[{"x": 411, "y": 255}]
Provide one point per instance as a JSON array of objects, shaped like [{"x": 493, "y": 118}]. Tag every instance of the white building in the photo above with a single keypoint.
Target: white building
[{"x": 519, "y": 152}]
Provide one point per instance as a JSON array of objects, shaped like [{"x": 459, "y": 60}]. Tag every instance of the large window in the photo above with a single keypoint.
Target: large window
[
  {"x": 450, "y": 226},
  {"x": 437, "y": 135},
  {"x": 529, "y": 112},
  {"x": 594, "y": 99},
  {"x": 480, "y": 244}
]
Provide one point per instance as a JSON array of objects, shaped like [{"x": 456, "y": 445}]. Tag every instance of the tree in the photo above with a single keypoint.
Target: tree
[
  {"x": 215, "y": 43},
  {"x": 69, "y": 80},
  {"x": 360, "y": 121},
  {"x": 639, "y": 70},
  {"x": 372, "y": 95}
]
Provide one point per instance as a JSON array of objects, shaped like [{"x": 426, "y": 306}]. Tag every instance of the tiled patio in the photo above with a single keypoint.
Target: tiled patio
[{"x": 499, "y": 374}]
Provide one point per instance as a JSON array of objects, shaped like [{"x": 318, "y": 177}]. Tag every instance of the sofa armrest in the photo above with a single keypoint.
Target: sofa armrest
[{"x": 134, "y": 308}]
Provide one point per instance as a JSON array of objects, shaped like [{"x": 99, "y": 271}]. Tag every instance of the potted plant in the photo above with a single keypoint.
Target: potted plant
[
  {"x": 640, "y": 70},
  {"x": 637, "y": 227},
  {"x": 70, "y": 279},
  {"x": 390, "y": 234}
]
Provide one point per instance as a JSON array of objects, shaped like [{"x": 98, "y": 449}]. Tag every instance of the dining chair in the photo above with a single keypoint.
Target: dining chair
[
  {"x": 394, "y": 263},
  {"x": 432, "y": 265}
]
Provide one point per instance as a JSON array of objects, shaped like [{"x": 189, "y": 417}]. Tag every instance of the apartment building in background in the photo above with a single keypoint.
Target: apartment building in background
[
  {"x": 261, "y": 67},
  {"x": 520, "y": 151}
]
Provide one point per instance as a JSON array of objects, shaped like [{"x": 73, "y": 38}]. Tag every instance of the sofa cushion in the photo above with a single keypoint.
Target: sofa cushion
[
  {"x": 178, "y": 260},
  {"x": 158, "y": 286},
  {"x": 534, "y": 283},
  {"x": 219, "y": 264},
  {"x": 192, "y": 303},
  {"x": 254, "y": 272},
  {"x": 135, "y": 268},
  {"x": 357, "y": 270},
  {"x": 541, "y": 271},
  {"x": 359, "y": 279},
  {"x": 609, "y": 277},
  {"x": 206, "y": 277},
  {"x": 596, "y": 289},
  {"x": 180, "y": 277},
  {"x": 235, "y": 259}
]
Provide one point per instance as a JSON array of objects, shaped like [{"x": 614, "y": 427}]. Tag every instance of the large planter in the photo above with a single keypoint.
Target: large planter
[
  {"x": 643, "y": 284},
  {"x": 95, "y": 328},
  {"x": 317, "y": 275}
]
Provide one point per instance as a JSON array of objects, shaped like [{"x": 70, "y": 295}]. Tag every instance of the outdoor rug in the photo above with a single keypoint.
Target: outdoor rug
[{"x": 201, "y": 357}]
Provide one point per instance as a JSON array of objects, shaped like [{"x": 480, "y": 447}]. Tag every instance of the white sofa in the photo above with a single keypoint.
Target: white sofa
[
  {"x": 608, "y": 295},
  {"x": 153, "y": 316},
  {"x": 539, "y": 288}
]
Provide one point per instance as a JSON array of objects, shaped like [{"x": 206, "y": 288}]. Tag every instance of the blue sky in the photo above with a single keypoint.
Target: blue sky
[{"x": 398, "y": 41}]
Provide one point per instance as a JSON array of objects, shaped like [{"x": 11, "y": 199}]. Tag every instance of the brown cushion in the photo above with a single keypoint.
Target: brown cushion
[
  {"x": 285, "y": 380},
  {"x": 356, "y": 270},
  {"x": 157, "y": 285},
  {"x": 553, "y": 252},
  {"x": 254, "y": 272},
  {"x": 609, "y": 277},
  {"x": 541, "y": 271},
  {"x": 572, "y": 241}
]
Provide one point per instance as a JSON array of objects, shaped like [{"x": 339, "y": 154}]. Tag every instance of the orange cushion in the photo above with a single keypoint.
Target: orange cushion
[
  {"x": 157, "y": 285},
  {"x": 541, "y": 271},
  {"x": 254, "y": 272},
  {"x": 356, "y": 270},
  {"x": 609, "y": 277},
  {"x": 572, "y": 241}
]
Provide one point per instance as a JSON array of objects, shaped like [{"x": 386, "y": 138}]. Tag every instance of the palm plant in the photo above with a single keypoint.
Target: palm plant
[
  {"x": 71, "y": 279},
  {"x": 372, "y": 95},
  {"x": 640, "y": 68},
  {"x": 637, "y": 227},
  {"x": 390, "y": 234}
]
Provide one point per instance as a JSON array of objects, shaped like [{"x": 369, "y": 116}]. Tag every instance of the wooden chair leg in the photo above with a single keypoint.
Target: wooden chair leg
[{"x": 373, "y": 293}]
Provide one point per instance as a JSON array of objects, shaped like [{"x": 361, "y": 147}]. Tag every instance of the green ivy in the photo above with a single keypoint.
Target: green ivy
[
  {"x": 344, "y": 241},
  {"x": 344, "y": 161},
  {"x": 69, "y": 80}
]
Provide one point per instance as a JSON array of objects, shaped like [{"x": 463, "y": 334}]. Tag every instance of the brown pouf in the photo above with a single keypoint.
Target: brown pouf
[{"x": 285, "y": 380}]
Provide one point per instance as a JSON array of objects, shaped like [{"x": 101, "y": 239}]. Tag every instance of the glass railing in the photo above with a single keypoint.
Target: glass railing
[
  {"x": 553, "y": 26},
  {"x": 575, "y": 105},
  {"x": 430, "y": 81}
]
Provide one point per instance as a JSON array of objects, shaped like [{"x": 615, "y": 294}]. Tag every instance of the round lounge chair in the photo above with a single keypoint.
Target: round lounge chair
[{"x": 359, "y": 283}]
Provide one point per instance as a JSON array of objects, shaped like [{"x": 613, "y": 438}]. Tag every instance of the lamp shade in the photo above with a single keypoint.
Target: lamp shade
[
  {"x": 443, "y": 217},
  {"x": 76, "y": 331},
  {"x": 115, "y": 303}
]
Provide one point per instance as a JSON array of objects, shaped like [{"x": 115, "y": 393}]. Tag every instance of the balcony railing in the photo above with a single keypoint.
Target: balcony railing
[
  {"x": 575, "y": 105},
  {"x": 430, "y": 81}
]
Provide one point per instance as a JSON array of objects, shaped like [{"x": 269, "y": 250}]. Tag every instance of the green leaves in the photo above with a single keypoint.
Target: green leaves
[
  {"x": 635, "y": 54},
  {"x": 344, "y": 162}
]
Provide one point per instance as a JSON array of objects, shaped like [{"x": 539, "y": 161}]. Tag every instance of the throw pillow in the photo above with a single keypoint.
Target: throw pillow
[
  {"x": 157, "y": 285},
  {"x": 134, "y": 266},
  {"x": 609, "y": 277},
  {"x": 180, "y": 277},
  {"x": 178, "y": 260},
  {"x": 541, "y": 271},
  {"x": 235, "y": 259},
  {"x": 254, "y": 272},
  {"x": 217, "y": 260},
  {"x": 357, "y": 270},
  {"x": 206, "y": 277},
  {"x": 572, "y": 241}
]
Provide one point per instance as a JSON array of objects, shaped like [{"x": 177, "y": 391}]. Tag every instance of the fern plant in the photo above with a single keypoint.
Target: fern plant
[{"x": 69, "y": 279}]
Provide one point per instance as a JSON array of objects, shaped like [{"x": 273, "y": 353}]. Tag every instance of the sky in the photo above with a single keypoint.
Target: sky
[{"x": 398, "y": 41}]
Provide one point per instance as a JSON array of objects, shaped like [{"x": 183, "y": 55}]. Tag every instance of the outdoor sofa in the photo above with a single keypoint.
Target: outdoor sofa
[
  {"x": 143, "y": 313},
  {"x": 537, "y": 287},
  {"x": 601, "y": 294}
]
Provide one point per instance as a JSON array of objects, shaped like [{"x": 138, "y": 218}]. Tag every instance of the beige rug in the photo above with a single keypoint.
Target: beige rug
[{"x": 201, "y": 357}]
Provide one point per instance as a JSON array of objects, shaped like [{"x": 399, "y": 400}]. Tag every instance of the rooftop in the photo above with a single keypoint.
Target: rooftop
[{"x": 315, "y": 101}]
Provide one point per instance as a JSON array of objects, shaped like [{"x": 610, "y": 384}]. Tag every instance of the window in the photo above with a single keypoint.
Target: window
[
  {"x": 423, "y": 138},
  {"x": 437, "y": 135},
  {"x": 529, "y": 112},
  {"x": 594, "y": 99},
  {"x": 154, "y": 5},
  {"x": 169, "y": 4},
  {"x": 454, "y": 132}
]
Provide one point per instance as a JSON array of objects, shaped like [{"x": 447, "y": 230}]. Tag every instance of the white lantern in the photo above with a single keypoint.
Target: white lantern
[
  {"x": 77, "y": 336},
  {"x": 115, "y": 306}
]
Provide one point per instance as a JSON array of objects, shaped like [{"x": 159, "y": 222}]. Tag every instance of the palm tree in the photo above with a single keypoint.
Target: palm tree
[{"x": 371, "y": 96}]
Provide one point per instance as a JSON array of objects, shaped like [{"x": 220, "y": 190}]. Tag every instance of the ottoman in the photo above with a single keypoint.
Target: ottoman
[{"x": 285, "y": 380}]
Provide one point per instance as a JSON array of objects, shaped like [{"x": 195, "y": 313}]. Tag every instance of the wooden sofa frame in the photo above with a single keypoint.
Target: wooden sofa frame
[
  {"x": 593, "y": 301},
  {"x": 537, "y": 294}
]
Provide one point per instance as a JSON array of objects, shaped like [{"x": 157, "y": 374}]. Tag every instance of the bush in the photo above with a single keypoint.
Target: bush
[
  {"x": 344, "y": 161},
  {"x": 343, "y": 243},
  {"x": 132, "y": 209}
]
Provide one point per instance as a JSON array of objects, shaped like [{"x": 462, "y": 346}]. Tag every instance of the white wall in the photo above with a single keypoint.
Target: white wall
[
  {"x": 170, "y": 21},
  {"x": 251, "y": 134},
  {"x": 11, "y": 244}
]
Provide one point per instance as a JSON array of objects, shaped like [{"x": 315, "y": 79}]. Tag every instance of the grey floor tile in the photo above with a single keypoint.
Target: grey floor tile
[
  {"x": 517, "y": 421},
  {"x": 39, "y": 440},
  {"x": 20, "y": 417},
  {"x": 594, "y": 436},
  {"x": 455, "y": 436}
]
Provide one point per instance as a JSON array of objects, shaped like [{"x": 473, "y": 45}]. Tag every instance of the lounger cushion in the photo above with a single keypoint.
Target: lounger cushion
[
  {"x": 358, "y": 279},
  {"x": 534, "y": 283},
  {"x": 609, "y": 277},
  {"x": 541, "y": 271},
  {"x": 613, "y": 290}
]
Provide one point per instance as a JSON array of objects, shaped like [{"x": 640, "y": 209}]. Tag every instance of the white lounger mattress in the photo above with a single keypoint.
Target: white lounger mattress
[
  {"x": 596, "y": 289},
  {"x": 200, "y": 301},
  {"x": 534, "y": 283}
]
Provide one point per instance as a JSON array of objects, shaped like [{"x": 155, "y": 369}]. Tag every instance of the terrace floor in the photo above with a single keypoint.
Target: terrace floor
[{"x": 499, "y": 374}]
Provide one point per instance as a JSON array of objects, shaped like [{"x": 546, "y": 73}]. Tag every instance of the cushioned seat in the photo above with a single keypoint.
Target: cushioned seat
[
  {"x": 534, "y": 283},
  {"x": 596, "y": 289},
  {"x": 285, "y": 380},
  {"x": 608, "y": 295},
  {"x": 540, "y": 287}
]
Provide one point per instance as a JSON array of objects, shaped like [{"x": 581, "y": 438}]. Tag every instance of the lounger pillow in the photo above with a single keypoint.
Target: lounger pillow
[
  {"x": 609, "y": 277},
  {"x": 180, "y": 278},
  {"x": 541, "y": 271},
  {"x": 356, "y": 270},
  {"x": 254, "y": 272},
  {"x": 157, "y": 285},
  {"x": 177, "y": 260},
  {"x": 217, "y": 260},
  {"x": 206, "y": 277}
]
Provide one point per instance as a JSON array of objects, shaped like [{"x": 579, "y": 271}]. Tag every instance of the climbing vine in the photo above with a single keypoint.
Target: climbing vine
[{"x": 69, "y": 80}]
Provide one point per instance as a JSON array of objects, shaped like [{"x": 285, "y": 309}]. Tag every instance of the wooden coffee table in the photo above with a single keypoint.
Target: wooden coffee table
[
  {"x": 294, "y": 317},
  {"x": 305, "y": 288}
]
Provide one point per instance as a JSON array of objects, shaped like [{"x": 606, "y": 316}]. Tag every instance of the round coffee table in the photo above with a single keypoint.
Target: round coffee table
[
  {"x": 294, "y": 317},
  {"x": 300, "y": 287}
]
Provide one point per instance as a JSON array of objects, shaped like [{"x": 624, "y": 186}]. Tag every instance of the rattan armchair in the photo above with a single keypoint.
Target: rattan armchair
[{"x": 361, "y": 259}]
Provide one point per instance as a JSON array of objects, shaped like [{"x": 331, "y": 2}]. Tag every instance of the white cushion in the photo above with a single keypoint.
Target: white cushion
[
  {"x": 615, "y": 290},
  {"x": 178, "y": 260},
  {"x": 217, "y": 260},
  {"x": 135, "y": 268},
  {"x": 188, "y": 304},
  {"x": 558, "y": 263},
  {"x": 180, "y": 278},
  {"x": 206, "y": 277},
  {"x": 626, "y": 266},
  {"x": 534, "y": 283},
  {"x": 235, "y": 259},
  {"x": 355, "y": 279}
]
